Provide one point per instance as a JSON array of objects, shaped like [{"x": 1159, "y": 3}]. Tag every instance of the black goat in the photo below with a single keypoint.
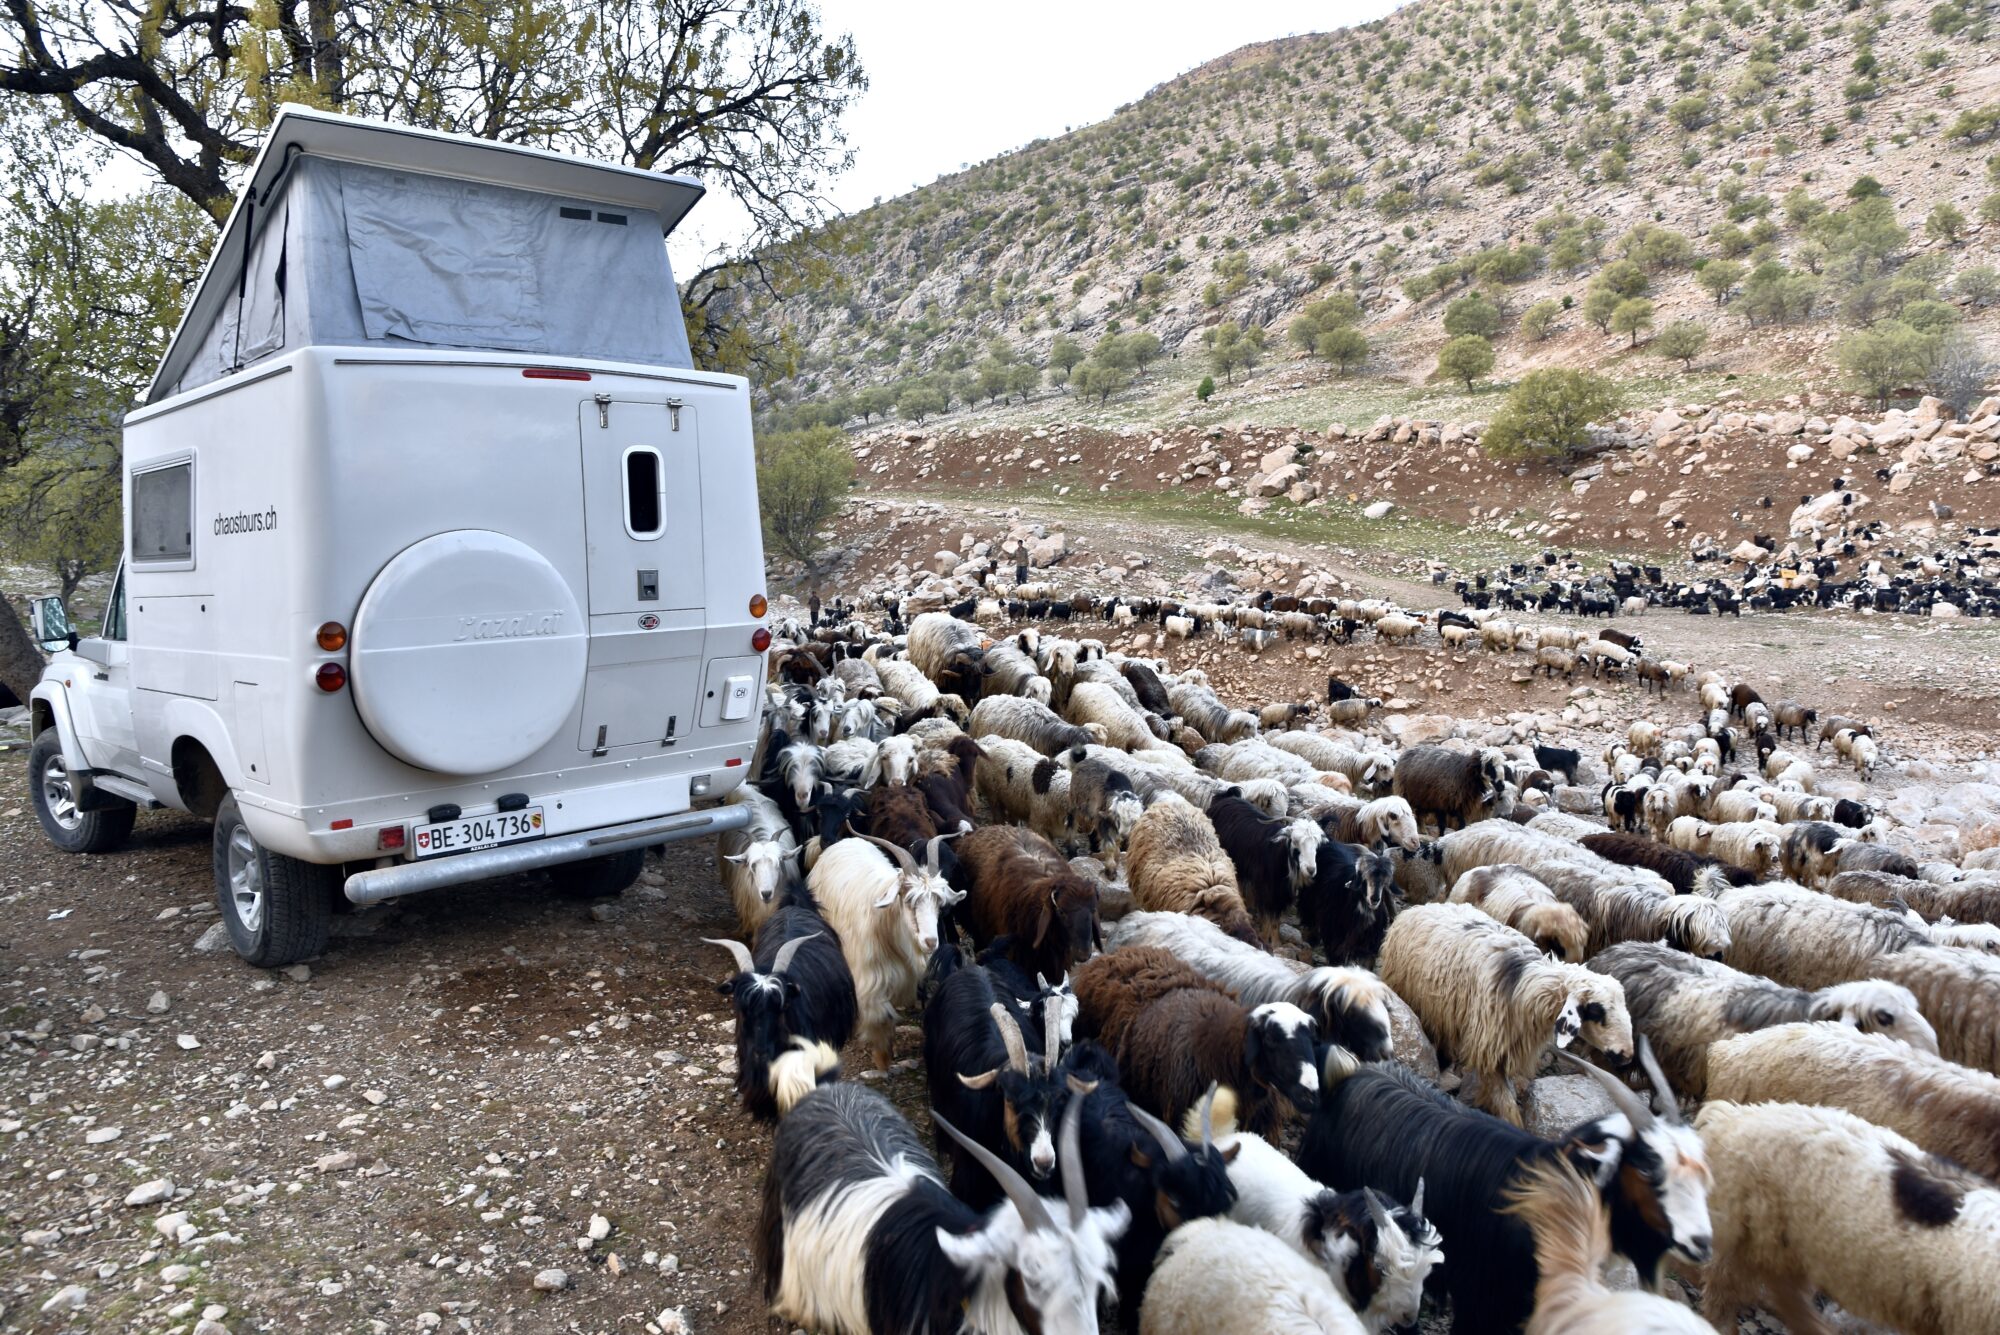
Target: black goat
[{"x": 792, "y": 990}]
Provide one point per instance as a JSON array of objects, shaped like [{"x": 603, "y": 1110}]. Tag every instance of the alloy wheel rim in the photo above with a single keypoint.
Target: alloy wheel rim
[
  {"x": 246, "y": 880},
  {"x": 58, "y": 795}
]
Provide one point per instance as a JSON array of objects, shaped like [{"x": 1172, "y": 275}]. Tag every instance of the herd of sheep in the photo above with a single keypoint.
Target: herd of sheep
[{"x": 1232, "y": 1017}]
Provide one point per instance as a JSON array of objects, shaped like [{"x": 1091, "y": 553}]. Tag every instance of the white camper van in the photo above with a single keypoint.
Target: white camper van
[{"x": 442, "y": 561}]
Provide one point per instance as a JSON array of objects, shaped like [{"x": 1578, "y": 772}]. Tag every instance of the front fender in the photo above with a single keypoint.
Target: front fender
[{"x": 50, "y": 694}]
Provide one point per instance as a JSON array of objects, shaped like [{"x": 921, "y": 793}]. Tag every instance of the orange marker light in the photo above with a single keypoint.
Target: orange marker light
[
  {"x": 757, "y": 605},
  {"x": 331, "y": 637}
]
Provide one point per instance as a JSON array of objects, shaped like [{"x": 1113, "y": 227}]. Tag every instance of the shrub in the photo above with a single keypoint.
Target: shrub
[
  {"x": 1345, "y": 348},
  {"x": 1539, "y": 320},
  {"x": 1728, "y": 239},
  {"x": 1472, "y": 314},
  {"x": 1719, "y": 277},
  {"x": 1467, "y": 358},
  {"x": 1623, "y": 277},
  {"x": 1550, "y": 412},
  {"x": 1959, "y": 372},
  {"x": 1975, "y": 125},
  {"x": 1980, "y": 286},
  {"x": 1205, "y": 388},
  {"x": 1631, "y": 316},
  {"x": 801, "y": 478},
  {"x": 1884, "y": 359},
  {"x": 1682, "y": 341},
  {"x": 1945, "y": 223},
  {"x": 1598, "y": 304}
]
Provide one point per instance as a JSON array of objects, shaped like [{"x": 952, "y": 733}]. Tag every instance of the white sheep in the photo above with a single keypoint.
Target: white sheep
[
  {"x": 1216, "y": 1277},
  {"x": 1493, "y": 1002},
  {"x": 1815, "y": 1200},
  {"x": 1508, "y": 894}
]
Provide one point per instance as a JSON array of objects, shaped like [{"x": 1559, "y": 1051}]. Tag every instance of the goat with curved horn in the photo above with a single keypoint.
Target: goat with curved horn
[
  {"x": 783, "y": 959},
  {"x": 1069, "y": 1157},
  {"x": 1033, "y": 1211},
  {"x": 1636, "y": 1112},
  {"x": 738, "y": 952},
  {"x": 1670, "y": 1107}
]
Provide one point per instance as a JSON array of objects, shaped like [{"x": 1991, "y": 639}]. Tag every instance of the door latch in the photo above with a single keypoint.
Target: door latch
[
  {"x": 603, "y": 402},
  {"x": 674, "y": 414}
]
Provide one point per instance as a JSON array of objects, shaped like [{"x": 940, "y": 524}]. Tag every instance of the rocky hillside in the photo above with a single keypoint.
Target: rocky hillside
[{"x": 1517, "y": 149}]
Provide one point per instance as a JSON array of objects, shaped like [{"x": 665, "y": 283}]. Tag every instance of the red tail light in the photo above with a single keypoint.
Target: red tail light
[
  {"x": 760, "y": 639},
  {"x": 389, "y": 837},
  {"x": 330, "y": 677}
]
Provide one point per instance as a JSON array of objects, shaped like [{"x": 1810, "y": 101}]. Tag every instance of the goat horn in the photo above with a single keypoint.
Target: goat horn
[
  {"x": 1034, "y": 1213},
  {"x": 1635, "y": 1109},
  {"x": 1384, "y": 1221},
  {"x": 1208, "y": 1117},
  {"x": 1417, "y": 1201},
  {"x": 1670, "y": 1105},
  {"x": 788, "y": 950},
  {"x": 740, "y": 952},
  {"x": 1010, "y": 1036},
  {"x": 1052, "y": 1031},
  {"x": 1070, "y": 1156},
  {"x": 901, "y": 854},
  {"x": 931, "y": 852},
  {"x": 1172, "y": 1145}
]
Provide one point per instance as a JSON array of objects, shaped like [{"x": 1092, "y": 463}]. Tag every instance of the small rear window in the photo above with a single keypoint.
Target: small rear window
[
  {"x": 642, "y": 493},
  {"x": 575, "y": 215},
  {"x": 615, "y": 218},
  {"x": 163, "y": 513}
]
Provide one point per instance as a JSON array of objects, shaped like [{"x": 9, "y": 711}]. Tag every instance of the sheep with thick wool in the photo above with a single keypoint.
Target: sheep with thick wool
[
  {"x": 920, "y": 696},
  {"x": 1124, "y": 726},
  {"x": 1802, "y": 938},
  {"x": 1493, "y": 1002},
  {"x": 1031, "y": 722},
  {"x": 935, "y": 637},
  {"x": 1959, "y": 990},
  {"x": 1367, "y": 770},
  {"x": 1684, "y": 1005},
  {"x": 1508, "y": 894},
  {"x": 1382, "y": 821},
  {"x": 1215, "y": 1277},
  {"x": 1815, "y": 1200},
  {"x": 1757, "y": 846},
  {"x": 1948, "y": 1109},
  {"x": 1174, "y": 863},
  {"x": 1253, "y": 759},
  {"x": 1207, "y": 715},
  {"x": 1975, "y": 903},
  {"x": 1003, "y": 777},
  {"x": 1352, "y": 1007}
]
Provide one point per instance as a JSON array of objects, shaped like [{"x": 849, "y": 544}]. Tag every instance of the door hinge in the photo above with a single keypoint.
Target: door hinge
[
  {"x": 674, "y": 414},
  {"x": 673, "y": 724},
  {"x": 603, "y": 730},
  {"x": 603, "y": 402}
]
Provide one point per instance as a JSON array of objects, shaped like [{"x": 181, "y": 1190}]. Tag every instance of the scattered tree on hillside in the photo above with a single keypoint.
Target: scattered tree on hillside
[
  {"x": 1979, "y": 285},
  {"x": 1100, "y": 379},
  {"x": 1682, "y": 341},
  {"x": 920, "y": 399},
  {"x": 1539, "y": 320},
  {"x": 1945, "y": 223},
  {"x": 1345, "y": 348},
  {"x": 1550, "y": 412},
  {"x": 1143, "y": 348},
  {"x": 1884, "y": 359},
  {"x": 1598, "y": 304},
  {"x": 802, "y": 477},
  {"x": 1205, "y": 389},
  {"x": 1632, "y": 316},
  {"x": 1719, "y": 278},
  {"x": 1959, "y": 372},
  {"x": 1472, "y": 314},
  {"x": 1467, "y": 358},
  {"x": 1064, "y": 356},
  {"x": 1230, "y": 346}
]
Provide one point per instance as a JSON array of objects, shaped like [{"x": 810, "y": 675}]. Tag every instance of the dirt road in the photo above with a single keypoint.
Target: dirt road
[{"x": 401, "y": 1137}]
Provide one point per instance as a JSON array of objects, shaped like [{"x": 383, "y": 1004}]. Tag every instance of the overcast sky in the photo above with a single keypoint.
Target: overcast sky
[{"x": 952, "y": 84}]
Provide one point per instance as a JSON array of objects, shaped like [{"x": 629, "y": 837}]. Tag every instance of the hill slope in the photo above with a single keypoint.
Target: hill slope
[{"x": 1363, "y": 159}]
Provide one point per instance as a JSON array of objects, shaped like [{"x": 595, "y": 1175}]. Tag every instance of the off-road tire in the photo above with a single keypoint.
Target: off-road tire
[
  {"x": 598, "y": 878},
  {"x": 72, "y": 831},
  {"x": 296, "y": 909}
]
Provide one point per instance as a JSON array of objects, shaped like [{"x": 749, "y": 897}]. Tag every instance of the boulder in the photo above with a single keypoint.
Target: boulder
[
  {"x": 1048, "y": 551},
  {"x": 1406, "y": 1035},
  {"x": 1787, "y": 424},
  {"x": 1378, "y": 509},
  {"x": 1930, "y": 409},
  {"x": 1558, "y": 1102},
  {"x": 1277, "y": 481},
  {"x": 1274, "y": 460},
  {"x": 1303, "y": 491}
]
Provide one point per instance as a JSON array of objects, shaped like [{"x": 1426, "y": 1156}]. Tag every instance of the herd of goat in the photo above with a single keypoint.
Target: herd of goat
[{"x": 1193, "y": 982}]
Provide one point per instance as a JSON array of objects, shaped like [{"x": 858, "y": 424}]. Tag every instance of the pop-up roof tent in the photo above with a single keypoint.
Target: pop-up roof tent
[{"x": 359, "y": 233}]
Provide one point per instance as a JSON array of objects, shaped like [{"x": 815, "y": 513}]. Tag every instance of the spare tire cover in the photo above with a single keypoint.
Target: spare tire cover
[{"x": 468, "y": 653}]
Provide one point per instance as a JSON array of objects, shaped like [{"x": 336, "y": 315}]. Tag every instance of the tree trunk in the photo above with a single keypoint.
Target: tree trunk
[{"x": 20, "y": 660}]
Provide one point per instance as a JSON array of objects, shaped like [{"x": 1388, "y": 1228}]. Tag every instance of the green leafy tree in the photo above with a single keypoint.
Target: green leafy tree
[
  {"x": 1945, "y": 223},
  {"x": 1728, "y": 239},
  {"x": 1472, "y": 313},
  {"x": 1979, "y": 285},
  {"x": 1346, "y": 348},
  {"x": 1538, "y": 322},
  {"x": 1467, "y": 357},
  {"x": 1682, "y": 341},
  {"x": 1883, "y": 359},
  {"x": 1142, "y": 348},
  {"x": 1623, "y": 277},
  {"x": 1598, "y": 304},
  {"x": 1205, "y": 389},
  {"x": 1022, "y": 380},
  {"x": 1550, "y": 412},
  {"x": 1231, "y": 346},
  {"x": 1719, "y": 278},
  {"x": 1065, "y": 354},
  {"x": 1112, "y": 350},
  {"x": 1098, "y": 379},
  {"x": 1632, "y": 316},
  {"x": 920, "y": 399},
  {"x": 802, "y": 478}
]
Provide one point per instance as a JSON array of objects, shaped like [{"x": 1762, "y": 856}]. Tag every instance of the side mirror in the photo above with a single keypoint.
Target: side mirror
[{"x": 49, "y": 624}]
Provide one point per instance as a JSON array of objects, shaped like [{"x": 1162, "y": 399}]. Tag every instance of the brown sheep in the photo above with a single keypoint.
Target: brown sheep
[
  {"x": 900, "y": 815},
  {"x": 1113, "y": 988},
  {"x": 1190, "y": 1038},
  {"x": 1448, "y": 785},
  {"x": 1176, "y": 864},
  {"x": 1680, "y": 869},
  {"x": 1017, "y": 885}
]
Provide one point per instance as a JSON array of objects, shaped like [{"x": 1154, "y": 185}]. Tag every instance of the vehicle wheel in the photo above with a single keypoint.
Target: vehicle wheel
[
  {"x": 598, "y": 878},
  {"x": 69, "y": 829},
  {"x": 277, "y": 908}
]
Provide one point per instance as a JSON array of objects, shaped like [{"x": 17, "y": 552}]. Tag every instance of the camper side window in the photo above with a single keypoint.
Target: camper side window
[{"x": 163, "y": 514}]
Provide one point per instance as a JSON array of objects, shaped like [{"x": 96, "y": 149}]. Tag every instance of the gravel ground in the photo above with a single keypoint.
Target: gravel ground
[{"x": 469, "y": 1090}]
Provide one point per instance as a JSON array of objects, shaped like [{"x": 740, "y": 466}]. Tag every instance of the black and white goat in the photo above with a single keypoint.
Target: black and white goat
[
  {"x": 858, "y": 1235},
  {"x": 791, "y": 990}
]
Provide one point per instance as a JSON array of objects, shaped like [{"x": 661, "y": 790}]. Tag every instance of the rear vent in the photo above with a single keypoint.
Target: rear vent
[
  {"x": 575, "y": 215},
  {"x": 615, "y": 219}
]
